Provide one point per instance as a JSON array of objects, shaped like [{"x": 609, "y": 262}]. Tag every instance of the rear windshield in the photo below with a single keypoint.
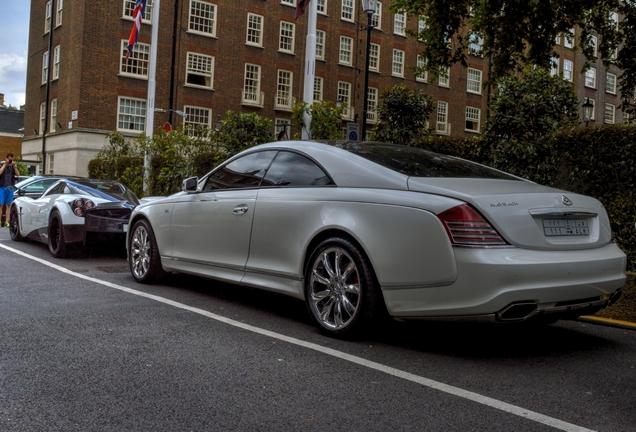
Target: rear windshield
[
  {"x": 110, "y": 191},
  {"x": 416, "y": 162}
]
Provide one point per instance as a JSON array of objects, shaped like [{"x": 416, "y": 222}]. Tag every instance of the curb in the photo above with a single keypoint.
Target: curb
[{"x": 608, "y": 322}]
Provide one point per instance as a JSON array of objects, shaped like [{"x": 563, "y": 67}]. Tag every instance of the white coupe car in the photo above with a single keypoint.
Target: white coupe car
[
  {"x": 70, "y": 210},
  {"x": 357, "y": 229}
]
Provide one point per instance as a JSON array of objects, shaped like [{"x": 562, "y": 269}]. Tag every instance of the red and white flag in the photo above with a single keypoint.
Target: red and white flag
[
  {"x": 138, "y": 14},
  {"x": 300, "y": 8}
]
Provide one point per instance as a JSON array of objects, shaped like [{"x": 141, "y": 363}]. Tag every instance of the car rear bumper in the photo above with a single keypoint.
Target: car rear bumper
[{"x": 492, "y": 281}]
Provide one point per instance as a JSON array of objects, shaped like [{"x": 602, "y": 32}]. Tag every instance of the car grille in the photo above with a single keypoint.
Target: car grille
[{"x": 118, "y": 213}]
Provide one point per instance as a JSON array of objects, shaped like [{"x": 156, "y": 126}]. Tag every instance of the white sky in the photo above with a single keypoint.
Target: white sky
[{"x": 14, "y": 35}]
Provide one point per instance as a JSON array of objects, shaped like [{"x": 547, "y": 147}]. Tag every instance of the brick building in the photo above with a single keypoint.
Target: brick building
[
  {"x": 219, "y": 55},
  {"x": 11, "y": 127}
]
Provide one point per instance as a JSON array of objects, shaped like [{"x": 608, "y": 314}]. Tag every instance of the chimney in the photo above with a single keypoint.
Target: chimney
[{"x": 1, "y": 99}]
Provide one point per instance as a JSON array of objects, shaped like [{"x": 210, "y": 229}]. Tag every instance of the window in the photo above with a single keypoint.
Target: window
[
  {"x": 202, "y": 18},
  {"x": 288, "y": 2},
  {"x": 281, "y": 128},
  {"x": 610, "y": 112},
  {"x": 129, "y": 7},
  {"x": 613, "y": 16},
  {"x": 475, "y": 45},
  {"x": 472, "y": 119},
  {"x": 252, "y": 84},
  {"x": 58, "y": 13},
  {"x": 374, "y": 57},
  {"x": 137, "y": 62},
  {"x": 346, "y": 50},
  {"x": 286, "y": 41},
  {"x": 56, "y": 62},
  {"x": 594, "y": 43},
  {"x": 444, "y": 76},
  {"x": 320, "y": 44},
  {"x": 284, "y": 90},
  {"x": 376, "y": 18},
  {"x": 47, "y": 20},
  {"x": 244, "y": 172},
  {"x": 293, "y": 170},
  {"x": 344, "y": 96},
  {"x": 593, "y": 102},
  {"x": 42, "y": 117},
  {"x": 610, "y": 83},
  {"x": 197, "y": 119},
  {"x": 554, "y": 66},
  {"x": 399, "y": 23},
  {"x": 568, "y": 70},
  {"x": 322, "y": 7},
  {"x": 442, "y": 118},
  {"x": 372, "y": 105},
  {"x": 557, "y": 41},
  {"x": 398, "y": 63},
  {"x": 568, "y": 39},
  {"x": 421, "y": 74},
  {"x": 131, "y": 114},
  {"x": 590, "y": 78},
  {"x": 51, "y": 164},
  {"x": 53, "y": 125},
  {"x": 254, "y": 29},
  {"x": 347, "y": 10},
  {"x": 200, "y": 70},
  {"x": 45, "y": 67},
  {"x": 317, "y": 88},
  {"x": 473, "y": 82},
  {"x": 421, "y": 26}
]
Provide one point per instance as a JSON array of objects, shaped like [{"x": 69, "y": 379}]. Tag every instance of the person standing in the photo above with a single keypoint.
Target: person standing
[{"x": 8, "y": 173}]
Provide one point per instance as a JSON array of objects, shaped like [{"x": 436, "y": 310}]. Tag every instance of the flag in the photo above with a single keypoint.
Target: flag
[
  {"x": 138, "y": 14},
  {"x": 300, "y": 8}
]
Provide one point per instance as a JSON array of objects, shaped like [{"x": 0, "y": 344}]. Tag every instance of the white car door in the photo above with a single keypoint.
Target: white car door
[{"x": 34, "y": 214}]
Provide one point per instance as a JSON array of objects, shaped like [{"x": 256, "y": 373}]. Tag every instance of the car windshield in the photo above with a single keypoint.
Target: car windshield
[
  {"x": 111, "y": 191},
  {"x": 415, "y": 162},
  {"x": 26, "y": 181}
]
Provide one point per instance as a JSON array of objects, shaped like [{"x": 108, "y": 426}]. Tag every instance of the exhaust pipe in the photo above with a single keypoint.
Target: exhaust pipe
[{"x": 517, "y": 312}]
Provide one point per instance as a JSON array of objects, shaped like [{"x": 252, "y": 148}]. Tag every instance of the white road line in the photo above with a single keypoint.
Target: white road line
[{"x": 456, "y": 391}]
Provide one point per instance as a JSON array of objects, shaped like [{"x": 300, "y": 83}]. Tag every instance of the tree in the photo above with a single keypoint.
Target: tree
[
  {"x": 326, "y": 120},
  {"x": 517, "y": 33},
  {"x": 402, "y": 115},
  {"x": 240, "y": 131},
  {"x": 528, "y": 111}
]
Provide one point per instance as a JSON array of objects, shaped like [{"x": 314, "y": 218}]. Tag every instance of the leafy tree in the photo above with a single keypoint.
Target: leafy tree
[
  {"x": 528, "y": 111},
  {"x": 326, "y": 120},
  {"x": 517, "y": 33},
  {"x": 240, "y": 131},
  {"x": 403, "y": 115}
]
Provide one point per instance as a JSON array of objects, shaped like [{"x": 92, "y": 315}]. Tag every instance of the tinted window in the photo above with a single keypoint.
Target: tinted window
[
  {"x": 292, "y": 169},
  {"x": 244, "y": 172},
  {"x": 111, "y": 191},
  {"x": 57, "y": 189},
  {"x": 38, "y": 187},
  {"x": 416, "y": 162}
]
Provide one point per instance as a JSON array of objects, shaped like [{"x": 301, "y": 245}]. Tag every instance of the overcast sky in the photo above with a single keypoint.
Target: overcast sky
[{"x": 14, "y": 38}]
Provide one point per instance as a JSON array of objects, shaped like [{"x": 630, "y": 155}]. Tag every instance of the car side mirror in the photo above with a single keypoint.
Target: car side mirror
[
  {"x": 189, "y": 185},
  {"x": 21, "y": 192}
]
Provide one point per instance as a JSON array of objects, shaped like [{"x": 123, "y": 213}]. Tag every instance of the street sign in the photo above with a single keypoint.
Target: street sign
[
  {"x": 167, "y": 127},
  {"x": 353, "y": 131}
]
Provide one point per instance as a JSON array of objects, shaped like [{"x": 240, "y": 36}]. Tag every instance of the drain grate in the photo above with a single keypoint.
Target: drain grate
[{"x": 114, "y": 269}]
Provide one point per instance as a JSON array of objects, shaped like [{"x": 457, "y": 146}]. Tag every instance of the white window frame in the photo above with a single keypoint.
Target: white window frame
[
  {"x": 399, "y": 24},
  {"x": 554, "y": 66},
  {"x": 610, "y": 113},
  {"x": 421, "y": 62},
  {"x": 442, "y": 126},
  {"x": 473, "y": 80},
  {"x": 138, "y": 118},
  {"x": 284, "y": 89},
  {"x": 200, "y": 65},
  {"x": 345, "y": 56},
  {"x": 610, "y": 83},
  {"x": 58, "y": 13},
  {"x": 594, "y": 43},
  {"x": 421, "y": 26},
  {"x": 288, "y": 2},
  {"x": 475, "y": 44},
  {"x": 593, "y": 102},
  {"x": 318, "y": 87},
  {"x": 613, "y": 16},
  {"x": 254, "y": 30},
  {"x": 568, "y": 70},
  {"x": 473, "y": 115},
  {"x": 344, "y": 95},
  {"x": 194, "y": 115},
  {"x": 42, "y": 117},
  {"x": 56, "y": 62},
  {"x": 376, "y": 18},
  {"x": 251, "y": 94},
  {"x": 397, "y": 63},
  {"x": 203, "y": 9},
  {"x": 569, "y": 38},
  {"x": 287, "y": 37},
  {"x": 321, "y": 7},
  {"x": 47, "y": 16},
  {"x": 590, "y": 77},
  {"x": 53, "y": 115},
  {"x": 374, "y": 57},
  {"x": 372, "y": 105},
  {"x": 129, "y": 7},
  {"x": 320, "y": 44},
  {"x": 51, "y": 163},
  {"x": 444, "y": 77},
  {"x": 138, "y": 60},
  {"x": 348, "y": 10},
  {"x": 45, "y": 67}
]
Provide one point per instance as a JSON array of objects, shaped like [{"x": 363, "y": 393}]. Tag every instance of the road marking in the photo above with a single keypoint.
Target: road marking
[{"x": 456, "y": 391}]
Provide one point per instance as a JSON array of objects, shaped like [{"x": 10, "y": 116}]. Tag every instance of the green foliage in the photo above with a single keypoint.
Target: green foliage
[
  {"x": 240, "y": 131},
  {"x": 472, "y": 149},
  {"x": 402, "y": 115},
  {"x": 326, "y": 120}
]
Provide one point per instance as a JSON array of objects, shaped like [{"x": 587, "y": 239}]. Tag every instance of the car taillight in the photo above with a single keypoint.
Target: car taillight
[
  {"x": 79, "y": 206},
  {"x": 466, "y": 227}
]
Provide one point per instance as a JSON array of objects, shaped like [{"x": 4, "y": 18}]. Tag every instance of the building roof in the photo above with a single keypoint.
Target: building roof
[{"x": 11, "y": 120}]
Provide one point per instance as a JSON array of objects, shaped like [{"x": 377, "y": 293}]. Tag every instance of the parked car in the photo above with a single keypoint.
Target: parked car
[
  {"x": 355, "y": 228},
  {"x": 69, "y": 210}
]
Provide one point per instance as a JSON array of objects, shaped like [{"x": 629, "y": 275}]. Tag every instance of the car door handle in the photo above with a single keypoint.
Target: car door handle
[{"x": 240, "y": 209}]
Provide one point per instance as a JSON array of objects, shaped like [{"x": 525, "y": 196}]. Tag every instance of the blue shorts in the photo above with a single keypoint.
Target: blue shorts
[{"x": 6, "y": 196}]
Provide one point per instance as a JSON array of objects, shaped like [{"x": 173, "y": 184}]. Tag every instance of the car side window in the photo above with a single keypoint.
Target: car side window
[
  {"x": 244, "y": 172},
  {"x": 57, "y": 189},
  {"x": 35, "y": 187},
  {"x": 294, "y": 170}
]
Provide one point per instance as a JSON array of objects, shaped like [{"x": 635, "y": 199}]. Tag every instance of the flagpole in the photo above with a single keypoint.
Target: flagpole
[
  {"x": 310, "y": 65},
  {"x": 150, "y": 102}
]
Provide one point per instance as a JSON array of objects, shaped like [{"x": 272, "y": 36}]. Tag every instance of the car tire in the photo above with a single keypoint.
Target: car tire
[
  {"x": 14, "y": 225},
  {"x": 341, "y": 291},
  {"x": 57, "y": 242},
  {"x": 143, "y": 253}
]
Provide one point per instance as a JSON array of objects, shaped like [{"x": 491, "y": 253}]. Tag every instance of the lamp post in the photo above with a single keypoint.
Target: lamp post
[
  {"x": 587, "y": 111},
  {"x": 368, "y": 7}
]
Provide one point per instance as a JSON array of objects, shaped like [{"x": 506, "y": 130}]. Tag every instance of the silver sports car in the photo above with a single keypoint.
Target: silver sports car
[{"x": 359, "y": 229}]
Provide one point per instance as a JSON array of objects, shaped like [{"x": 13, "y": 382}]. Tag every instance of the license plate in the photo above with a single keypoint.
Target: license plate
[
  {"x": 565, "y": 227},
  {"x": 124, "y": 227}
]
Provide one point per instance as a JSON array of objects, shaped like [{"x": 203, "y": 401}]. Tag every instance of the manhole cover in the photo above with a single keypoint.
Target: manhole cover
[{"x": 114, "y": 269}]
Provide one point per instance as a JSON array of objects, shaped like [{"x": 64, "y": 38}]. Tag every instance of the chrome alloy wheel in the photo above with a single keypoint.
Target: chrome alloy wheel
[
  {"x": 140, "y": 252},
  {"x": 334, "y": 288}
]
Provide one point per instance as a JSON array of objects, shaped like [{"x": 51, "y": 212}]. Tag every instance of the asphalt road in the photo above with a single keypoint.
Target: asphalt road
[{"x": 85, "y": 348}]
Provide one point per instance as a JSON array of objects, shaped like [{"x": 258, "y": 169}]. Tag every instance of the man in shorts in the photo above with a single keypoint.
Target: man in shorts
[{"x": 8, "y": 173}]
